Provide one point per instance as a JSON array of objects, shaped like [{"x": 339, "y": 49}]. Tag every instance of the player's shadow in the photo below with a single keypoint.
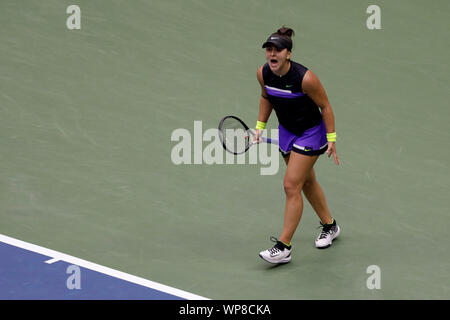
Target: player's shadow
[
  {"x": 277, "y": 266},
  {"x": 266, "y": 266}
]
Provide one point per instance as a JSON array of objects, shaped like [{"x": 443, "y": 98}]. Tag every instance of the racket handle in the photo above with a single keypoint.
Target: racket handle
[{"x": 269, "y": 140}]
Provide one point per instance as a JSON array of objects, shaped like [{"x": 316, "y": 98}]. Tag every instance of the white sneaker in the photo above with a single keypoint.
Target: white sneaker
[
  {"x": 279, "y": 253},
  {"x": 328, "y": 234}
]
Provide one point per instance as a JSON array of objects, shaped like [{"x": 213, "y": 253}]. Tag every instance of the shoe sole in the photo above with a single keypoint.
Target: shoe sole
[
  {"x": 284, "y": 261},
  {"x": 329, "y": 245}
]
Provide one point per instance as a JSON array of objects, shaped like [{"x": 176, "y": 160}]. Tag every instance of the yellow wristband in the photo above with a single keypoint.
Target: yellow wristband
[
  {"x": 331, "y": 137},
  {"x": 260, "y": 125}
]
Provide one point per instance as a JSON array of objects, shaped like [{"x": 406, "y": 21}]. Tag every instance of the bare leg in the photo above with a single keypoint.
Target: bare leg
[
  {"x": 298, "y": 170},
  {"x": 315, "y": 196}
]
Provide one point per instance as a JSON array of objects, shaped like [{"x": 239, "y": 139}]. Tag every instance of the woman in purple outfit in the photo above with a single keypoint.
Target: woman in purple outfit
[{"x": 306, "y": 130}]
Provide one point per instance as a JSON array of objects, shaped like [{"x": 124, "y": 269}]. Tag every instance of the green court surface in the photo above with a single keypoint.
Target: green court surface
[{"x": 86, "y": 118}]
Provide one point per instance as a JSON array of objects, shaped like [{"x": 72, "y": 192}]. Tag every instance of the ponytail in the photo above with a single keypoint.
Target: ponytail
[{"x": 285, "y": 32}]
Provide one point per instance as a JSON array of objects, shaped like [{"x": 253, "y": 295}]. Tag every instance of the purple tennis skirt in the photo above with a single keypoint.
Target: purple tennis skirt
[{"x": 311, "y": 142}]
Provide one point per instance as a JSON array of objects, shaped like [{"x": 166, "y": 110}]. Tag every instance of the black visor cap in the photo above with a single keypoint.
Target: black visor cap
[{"x": 279, "y": 42}]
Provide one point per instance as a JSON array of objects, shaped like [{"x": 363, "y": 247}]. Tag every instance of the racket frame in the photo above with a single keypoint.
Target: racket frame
[{"x": 249, "y": 131}]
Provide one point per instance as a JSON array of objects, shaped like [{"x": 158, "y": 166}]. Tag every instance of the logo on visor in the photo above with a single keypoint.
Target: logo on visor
[{"x": 273, "y": 38}]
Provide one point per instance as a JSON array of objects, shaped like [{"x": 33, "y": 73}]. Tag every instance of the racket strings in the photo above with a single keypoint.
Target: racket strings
[{"x": 235, "y": 136}]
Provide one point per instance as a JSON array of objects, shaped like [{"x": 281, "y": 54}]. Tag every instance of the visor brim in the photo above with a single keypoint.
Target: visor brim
[{"x": 273, "y": 43}]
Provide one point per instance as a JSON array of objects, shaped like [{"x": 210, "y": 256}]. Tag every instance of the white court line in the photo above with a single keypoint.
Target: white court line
[
  {"x": 52, "y": 260},
  {"x": 56, "y": 256}
]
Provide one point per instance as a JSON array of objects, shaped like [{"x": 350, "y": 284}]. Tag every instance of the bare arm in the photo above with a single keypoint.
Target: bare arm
[
  {"x": 314, "y": 89},
  {"x": 265, "y": 107}
]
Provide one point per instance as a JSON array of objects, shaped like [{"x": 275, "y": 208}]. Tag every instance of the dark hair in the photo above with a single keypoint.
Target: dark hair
[{"x": 285, "y": 32}]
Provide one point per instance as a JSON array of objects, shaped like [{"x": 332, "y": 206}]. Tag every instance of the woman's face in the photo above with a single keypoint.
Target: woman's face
[{"x": 278, "y": 59}]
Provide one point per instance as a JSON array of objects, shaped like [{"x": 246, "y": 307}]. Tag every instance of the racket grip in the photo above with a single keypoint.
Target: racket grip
[{"x": 269, "y": 140}]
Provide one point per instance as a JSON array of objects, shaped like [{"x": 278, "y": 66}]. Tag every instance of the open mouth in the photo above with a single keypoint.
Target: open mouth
[{"x": 273, "y": 62}]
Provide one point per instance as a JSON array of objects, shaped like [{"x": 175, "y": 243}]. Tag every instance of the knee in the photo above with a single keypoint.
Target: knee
[{"x": 292, "y": 188}]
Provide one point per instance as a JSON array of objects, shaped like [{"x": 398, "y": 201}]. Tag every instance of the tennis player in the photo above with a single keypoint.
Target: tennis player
[{"x": 306, "y": 130}]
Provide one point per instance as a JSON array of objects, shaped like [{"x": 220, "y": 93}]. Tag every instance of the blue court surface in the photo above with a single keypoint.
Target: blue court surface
[{"x": 31, "y": 272}]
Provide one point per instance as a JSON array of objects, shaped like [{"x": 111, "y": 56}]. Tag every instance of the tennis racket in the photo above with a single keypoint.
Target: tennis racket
[{"x": 236, "y": 137}]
